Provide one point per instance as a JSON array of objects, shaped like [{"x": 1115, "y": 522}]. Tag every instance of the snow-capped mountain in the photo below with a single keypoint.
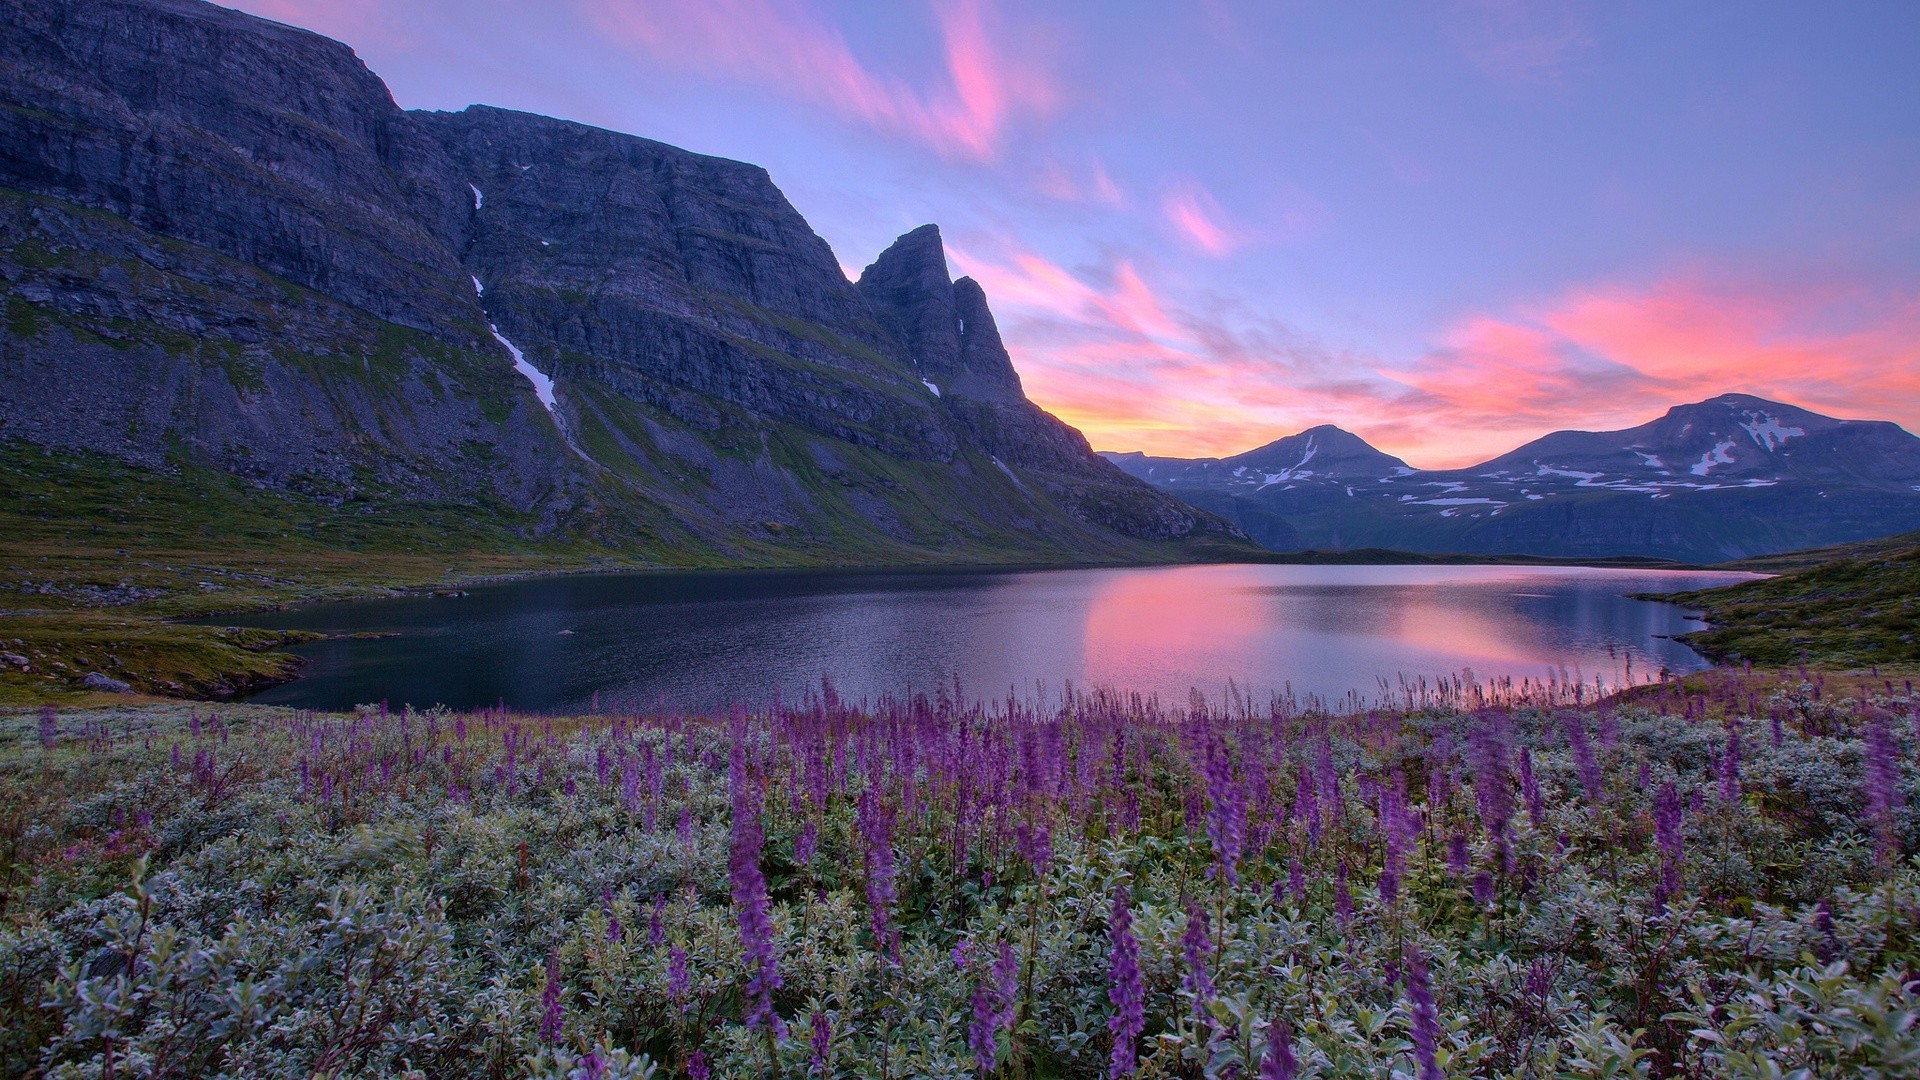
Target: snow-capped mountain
[{"x": 1725, "y": 478}]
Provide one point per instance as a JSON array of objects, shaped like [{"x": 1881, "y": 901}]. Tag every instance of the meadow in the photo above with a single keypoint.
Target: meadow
[{"x": 1714, "y": 877}]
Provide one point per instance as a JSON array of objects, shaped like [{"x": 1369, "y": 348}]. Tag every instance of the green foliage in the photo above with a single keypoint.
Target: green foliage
[{"x": 1858, "y": 611}]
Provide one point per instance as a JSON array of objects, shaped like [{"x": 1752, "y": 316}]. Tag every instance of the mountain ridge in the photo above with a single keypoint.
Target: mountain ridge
[{"x": 1752, "y": 477}]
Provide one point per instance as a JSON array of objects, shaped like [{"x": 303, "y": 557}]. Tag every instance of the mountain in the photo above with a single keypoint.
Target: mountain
[
  {"x": 225, "y": 250},
  {"x": 1729, "y": 478}
]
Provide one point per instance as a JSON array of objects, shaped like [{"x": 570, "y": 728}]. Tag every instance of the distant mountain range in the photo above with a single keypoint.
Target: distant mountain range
[
  {"x": 1732, "y": 477},
  {"x": 223, "y": 247}
]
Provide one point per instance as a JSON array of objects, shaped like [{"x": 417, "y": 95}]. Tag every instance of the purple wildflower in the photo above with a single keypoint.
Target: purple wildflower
[
  {"x": 1306, "y": 805},
  {"x": 552, "y": 1012},
  {"x": 1425, "y": 1016},
  {"x": 1396, "y": 830},
  {"x": 1196, "y": 946},
  {"x": 1584, "y": 762},
  {"x": 656, "y": 922},
  {"x": 1297, "y": 881},
  {"x": 1490, "y": 782},
  {"x": 1342, "y": 896},
  {"x": 1668, "y": 822},
  {"x": 807, "y": 844},
  {"x": 697, "y": 1067},
  {"x": 679, "y": 978},
  {"x": 1279, "y": 1063},
  {"x": 614, "y": 930},
  {"x": 1530, "y": 791},
  {"x": 1035, "y": 843},
  {"x": 750, "y": 896},
  {"x": 876, "y": 829},
  {"x": 1457, "y": 856},
  {"x": 1882, "y": 776},
  {"x": 1483, "y": 888},
  {"x": 983, "y": 1033},
  {"x": 1124, "y": 987},
  {"x": 1226, "y": 813},
  {"x": 821, "y": 1042},
  {"x": 49, "y": 727}
]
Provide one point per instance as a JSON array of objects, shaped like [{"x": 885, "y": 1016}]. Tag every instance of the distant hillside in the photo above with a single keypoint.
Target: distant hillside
[
  {"x": 1729, "y": 478},
  {"x": 1860, "y": 610}
]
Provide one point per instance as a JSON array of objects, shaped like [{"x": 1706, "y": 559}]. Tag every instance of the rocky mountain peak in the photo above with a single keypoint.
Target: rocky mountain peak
[{"x": 945, "y": 324}]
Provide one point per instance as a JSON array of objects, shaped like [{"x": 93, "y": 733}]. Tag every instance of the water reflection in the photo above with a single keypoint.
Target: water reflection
[{"x": 702, "y": 641}]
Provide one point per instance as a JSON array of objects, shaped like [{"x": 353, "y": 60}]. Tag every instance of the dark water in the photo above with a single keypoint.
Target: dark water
[{"x": 703, "y": 641}]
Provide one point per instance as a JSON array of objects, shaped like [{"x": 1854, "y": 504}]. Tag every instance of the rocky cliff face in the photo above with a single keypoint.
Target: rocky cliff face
[{"x": 224, "y": 244}]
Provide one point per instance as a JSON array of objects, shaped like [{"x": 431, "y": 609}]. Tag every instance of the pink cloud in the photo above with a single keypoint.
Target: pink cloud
[
  {"x": 1199, "y": 220},
  {"x": 1135, "y": 365},
  {"x": 781, "y": 44},
  {"x": 1616, "y": 356}
]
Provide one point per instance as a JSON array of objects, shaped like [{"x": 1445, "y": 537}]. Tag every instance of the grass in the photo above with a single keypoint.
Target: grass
[{"x": 1851, "y": 607}]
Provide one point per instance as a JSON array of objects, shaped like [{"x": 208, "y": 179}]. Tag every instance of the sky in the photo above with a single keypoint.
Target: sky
[{"x": 1448, "y": 226}]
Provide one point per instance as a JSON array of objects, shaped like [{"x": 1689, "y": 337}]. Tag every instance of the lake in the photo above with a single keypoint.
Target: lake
[{"x": 700, "y": 641}]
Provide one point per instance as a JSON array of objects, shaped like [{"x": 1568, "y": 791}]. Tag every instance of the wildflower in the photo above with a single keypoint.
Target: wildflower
[
  {"x": 1882, "y": 777},
  {"x": 1583, "y": 760},
  {"x": 50, "y": 728},
  {"x": 679, "y": 979},
  {"x": 1425, "y": 1016},
  {"x": 750, "y": 898},
  {"x": 1530, "y": 791},
  {"x": 1035, "y": 843},
  {"x": 1279, "y": 1063},
  {"x": 697, "y": 1066},
  {"x": 1342, "y": 898},
  {"x": 1668, "y": 822},
  {"x": 875, "y": 828},
  {"x": 1226, "y": 814},
  {"x": 614, "y": 930},
  {"x": 807, "y": 844},
  {"x": 820, "y": 1042},
  {"x": 1396, "y": 830},
  {"x": 1490, "y": 789},
  {"x": 983, "y": 1033},
  {"x": 1124, "y": 987},
  {"x": 552, "y": 1013}
]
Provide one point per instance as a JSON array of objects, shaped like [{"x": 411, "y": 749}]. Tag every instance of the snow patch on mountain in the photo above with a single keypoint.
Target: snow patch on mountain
[
  {"x": 1717, "y": 456},
  {"x": 1768, "y": 431}
]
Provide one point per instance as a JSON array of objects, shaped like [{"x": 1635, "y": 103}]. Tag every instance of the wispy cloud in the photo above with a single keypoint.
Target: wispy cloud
[
  {"x": 1137, "y": 366},
  {"x": 789, "y": 47},
  {"x": 1526, "y": 42},
  {"x": 1198, "y": 220},
  {"x": 1615, "y": 356}
]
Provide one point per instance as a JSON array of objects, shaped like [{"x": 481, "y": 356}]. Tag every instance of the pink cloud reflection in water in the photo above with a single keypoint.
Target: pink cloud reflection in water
[{"x": 704, "y": 641}]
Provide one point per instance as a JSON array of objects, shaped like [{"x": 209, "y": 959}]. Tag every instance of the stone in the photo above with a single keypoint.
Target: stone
[{"x": 94, "y": 680}]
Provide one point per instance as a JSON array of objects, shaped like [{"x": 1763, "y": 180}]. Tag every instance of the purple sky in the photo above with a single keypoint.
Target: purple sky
[{"x": 1446, "y": 226}]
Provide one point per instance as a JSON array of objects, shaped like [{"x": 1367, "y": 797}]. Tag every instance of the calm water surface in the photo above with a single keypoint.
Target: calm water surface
[{"x": 706, "y": 640}]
